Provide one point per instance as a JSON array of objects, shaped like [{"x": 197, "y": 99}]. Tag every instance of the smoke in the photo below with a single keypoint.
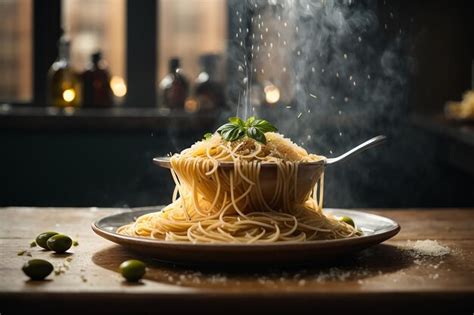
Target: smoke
[
  {"x": 341, "y": 73},
  {"x": 326, "y": 57}
]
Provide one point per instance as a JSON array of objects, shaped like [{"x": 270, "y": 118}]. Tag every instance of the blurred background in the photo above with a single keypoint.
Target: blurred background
[{"x": 92, "y": 90}]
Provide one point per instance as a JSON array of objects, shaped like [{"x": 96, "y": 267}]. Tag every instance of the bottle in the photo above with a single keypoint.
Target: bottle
[
  {"x": 174, "y": 87},
  {"x": 209, "y": 92},
  {"x": 96, "y": 83},
  {"x": 64, "y": 85}
]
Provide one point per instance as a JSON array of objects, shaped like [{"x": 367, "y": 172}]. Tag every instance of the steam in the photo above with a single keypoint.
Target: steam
[
  {"x": 341, "y": 73},
  {"x": 329, "y": 59}
]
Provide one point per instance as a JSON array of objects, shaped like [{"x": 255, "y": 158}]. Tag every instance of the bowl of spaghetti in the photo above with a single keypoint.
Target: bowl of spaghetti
[{"x": 243, "y": 184}]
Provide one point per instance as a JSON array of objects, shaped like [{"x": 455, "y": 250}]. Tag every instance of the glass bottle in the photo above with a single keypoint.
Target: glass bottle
[
  {"x": 174, "y": 87},
  {"x": 64, "y": 85},
  {"x": 96, "y": 83},
  {"x": 209, "y": 92}
]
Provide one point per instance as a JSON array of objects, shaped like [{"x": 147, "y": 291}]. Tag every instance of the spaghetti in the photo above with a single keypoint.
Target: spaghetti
[{"x": 215, "y": 204}]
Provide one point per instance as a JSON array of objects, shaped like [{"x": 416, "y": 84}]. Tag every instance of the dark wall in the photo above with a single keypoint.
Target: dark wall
[
  {"x": 91, "y": 166},
  {"x": 443, "y": 51},
  {"x": 83, "y": 168},
  {"x": 114, "y": 169}
]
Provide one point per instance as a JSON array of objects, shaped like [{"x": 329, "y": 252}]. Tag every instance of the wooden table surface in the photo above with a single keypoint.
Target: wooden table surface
[{"x": 385, "y": 278}]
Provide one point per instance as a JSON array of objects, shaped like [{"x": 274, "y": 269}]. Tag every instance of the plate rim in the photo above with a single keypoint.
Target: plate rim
[
  {"x": 164, "y": 161},
  {"x": 113, "y": 236}
]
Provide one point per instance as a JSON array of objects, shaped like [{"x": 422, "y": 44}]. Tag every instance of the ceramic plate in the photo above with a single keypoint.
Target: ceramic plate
[{"x": 376, "y": 229}]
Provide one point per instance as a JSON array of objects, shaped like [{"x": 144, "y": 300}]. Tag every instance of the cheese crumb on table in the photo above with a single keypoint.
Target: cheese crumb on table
[{"x": 427, "y": 248}]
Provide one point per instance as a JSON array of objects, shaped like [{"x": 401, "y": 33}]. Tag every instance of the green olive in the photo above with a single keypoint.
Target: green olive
[
  {"x": 347, "y": 220},
  {"x": 43, "y": 238},
  {"x": 132, "y": 270},
  {"x": 37, "y": 269},
  {"x": 59, "y": 243}
]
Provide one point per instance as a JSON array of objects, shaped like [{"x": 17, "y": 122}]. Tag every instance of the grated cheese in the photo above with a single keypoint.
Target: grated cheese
[{"x": 430, "y": 248}]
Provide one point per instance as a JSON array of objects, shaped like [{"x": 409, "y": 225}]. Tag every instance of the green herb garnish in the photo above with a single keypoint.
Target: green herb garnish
[
  {"x": 207, "y": 136},
  {"x": 253, "y": 128}
]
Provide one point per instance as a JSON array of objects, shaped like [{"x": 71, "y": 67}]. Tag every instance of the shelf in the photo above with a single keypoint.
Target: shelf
[
  {"x": 438, "y": 125},
  {"x": 454, "y": 140},
  {"x": 117, "y": 118}
]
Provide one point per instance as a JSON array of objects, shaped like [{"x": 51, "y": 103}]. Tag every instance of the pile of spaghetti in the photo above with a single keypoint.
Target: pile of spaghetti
[{"x": 216, "y": 204}]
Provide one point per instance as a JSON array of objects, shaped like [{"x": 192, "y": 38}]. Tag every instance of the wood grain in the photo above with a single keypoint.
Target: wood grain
[{"x": 384, "y": 275}]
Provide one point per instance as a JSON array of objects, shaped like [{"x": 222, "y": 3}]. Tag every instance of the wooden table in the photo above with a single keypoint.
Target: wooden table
[{"x": 385, "y": 278}]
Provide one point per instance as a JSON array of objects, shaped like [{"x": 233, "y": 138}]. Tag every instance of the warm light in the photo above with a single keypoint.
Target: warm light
[
  {"x": 118, "y": 86},
  {"x": 191, "y": 105},
  {"x": 272, "y": 94},
  {"x": 69, "y": 95}
]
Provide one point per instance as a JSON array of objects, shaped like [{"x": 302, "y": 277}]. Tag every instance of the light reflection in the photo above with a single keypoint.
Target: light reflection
[
  {"x": 191, "y": 105},
  {"x": 69, "y": 95},
  {"x": 118, "y": 86},
  {"x": 272, "y": 94}
]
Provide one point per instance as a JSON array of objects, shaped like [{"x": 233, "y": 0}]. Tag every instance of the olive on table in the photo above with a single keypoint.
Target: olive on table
[
  {"x": 42, "y": 238},
  {"x": 37, "y": 269},
  {"x": 132, "y": 270},
  {"x": 59, "y": 243},
  {"x": 347, "y": 220}
]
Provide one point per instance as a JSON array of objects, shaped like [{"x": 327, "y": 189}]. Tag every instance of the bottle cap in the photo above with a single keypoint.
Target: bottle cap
[
  {"x": 209, "y": 63},
  {"x": 96, "y": 57},
  {"x": 174, "y": 64}
]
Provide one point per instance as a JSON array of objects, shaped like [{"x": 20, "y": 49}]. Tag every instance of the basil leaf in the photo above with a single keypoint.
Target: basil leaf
[
  {"x": 263, "y": 125},
  {"x": 251, "y": 132},
  {"x": 254, "y": 128},
  {"x": 250, "y": 121},
  {"x": 236, "y": 121},
  {"x": 232, "y": 134},
  {"x": 225, "y": 131},
  {"x": 225, "y": 127},
  {"x": 207, "y": 136},
  {"x": 236, "y": 134},
  {"x": 256, "y": 134},
  {"x": 226, "y": 134}
]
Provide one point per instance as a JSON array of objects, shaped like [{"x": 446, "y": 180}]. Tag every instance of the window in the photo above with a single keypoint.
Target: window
[
  {"x": 15, "y": 50},
  {"x": 185, "y": 29},
  {"x": 188, "y": 29},
  {"x": 273, "y": 35},
  {"x": 97, "y": 25}
]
